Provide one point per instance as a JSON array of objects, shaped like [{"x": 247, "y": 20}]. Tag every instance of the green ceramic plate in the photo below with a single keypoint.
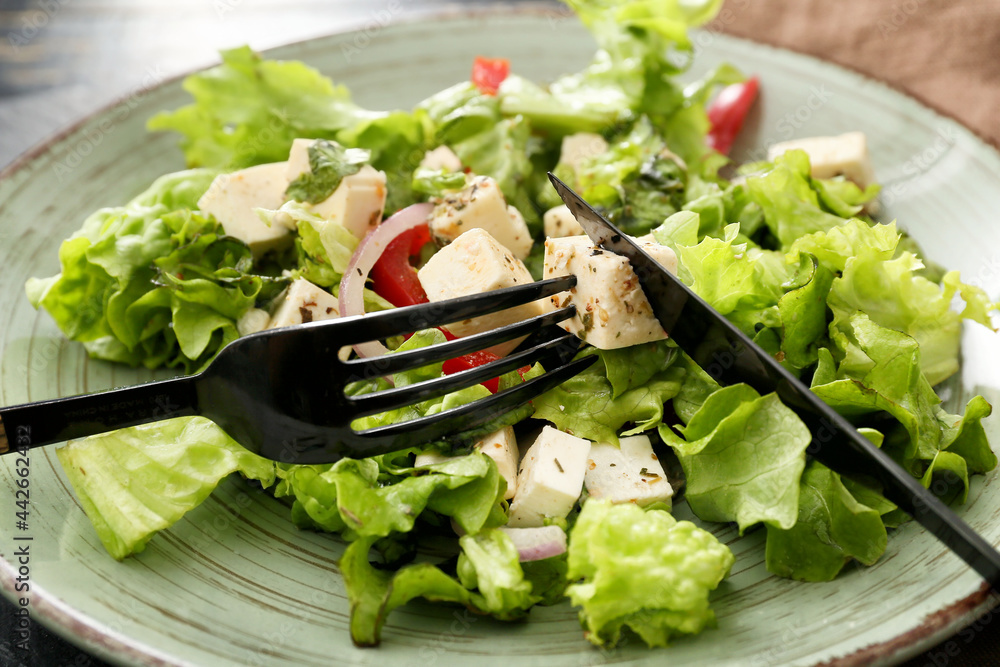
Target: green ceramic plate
[{"x": 235, "y": 583}]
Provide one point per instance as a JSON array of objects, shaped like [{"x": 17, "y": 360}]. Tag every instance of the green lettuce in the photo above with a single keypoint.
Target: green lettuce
[
  {"x": 743, "y": 455},
  {"x": 138, "y": 481},
  {"x": 248, "y": 110},
  {"x": 643, "y": 570},
  {"x": 790, "y": 204},
  {"x": 882, "y": 375},
  {"x": 891, "y": 294},
  {"x": 628, "y": 76},
  {"x": 397, "y": 141},
  {"x": 329, "y": 163},
  {"x": 729, "y": 275},
  {"x": 374, "y": 593},
  {"x": 153, "y": 282},
  {"x": 831, "y": 529},
  {"x": 628, "y": 386},
  {"x": 353, "y": 496},
  {"x": 489, "y": 580}
]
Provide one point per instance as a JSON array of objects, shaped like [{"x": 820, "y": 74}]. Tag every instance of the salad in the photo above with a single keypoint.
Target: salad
[{"x": 300, "y": 205}]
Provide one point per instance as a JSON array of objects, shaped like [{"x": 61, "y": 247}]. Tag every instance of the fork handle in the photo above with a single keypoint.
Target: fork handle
[{"x": 30, "y": 425}]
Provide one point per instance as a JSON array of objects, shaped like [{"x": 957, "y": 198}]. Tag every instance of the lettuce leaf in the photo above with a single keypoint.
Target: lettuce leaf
[
  {"x": 373, "y": 593},
  {"x": 248, "y": 110},
  {"x": 643, "y": 570},
  {"x": 352, "y": 496},
  {"x": 882, "y": 374},
  {"x": 803, "y": 313},
  {"x": 628, "y": 386},
  {"x": 397, "y": 141},
  {"x": 790, "y": 204},
  {"x": 832, "y": 528},
  {"x": 490, "y": 566},
  {"x": 329, "y": 163},
  {"x": 138, "y": 481},
  {"x": 152, "y": 282},
  {"x": 489, "y": 581},
  {"x": 743, "y": 455},
  {"x": 891, "y": 294},
  {"x": 729, "y": 275}
]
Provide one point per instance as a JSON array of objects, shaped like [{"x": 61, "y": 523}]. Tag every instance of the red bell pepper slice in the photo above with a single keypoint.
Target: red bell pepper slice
[
  {"x": 393, "y": 277},
  {"x": 727, "y": 112},
  {"x": 489, "y": 73},
  {"x": 473, "y": 360}
]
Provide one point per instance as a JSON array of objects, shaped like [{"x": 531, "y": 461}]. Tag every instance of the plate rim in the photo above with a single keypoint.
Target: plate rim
[{"x": 84, "y": 632}]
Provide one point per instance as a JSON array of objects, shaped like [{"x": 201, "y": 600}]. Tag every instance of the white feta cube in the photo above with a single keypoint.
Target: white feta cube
[
  {"x": 357, "y": 203},
  {"x": 476, "y": 262},
  {"x": 846, "y": 154},
  {"x": 441, "y": 157},
  {"x": 581, "y": 146},
  {"x": 611, "y": 309},
  {"x": 304, "y": 302},
  {"x": 501, "y": 446},
  {"x": 481, "y": 205},
  {"x": 550, "y": 479},
  {"x": 626, "y": 473},
  {"x": 559, "y": 222},
  {"x": 232, "y": 199}
]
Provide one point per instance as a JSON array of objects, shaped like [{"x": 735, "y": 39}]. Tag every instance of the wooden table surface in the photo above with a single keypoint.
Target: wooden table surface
[{"x": 62, "y": 59}]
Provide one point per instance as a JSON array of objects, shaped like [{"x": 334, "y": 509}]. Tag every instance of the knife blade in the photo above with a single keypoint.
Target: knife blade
[{"x": 730, "y": 357}]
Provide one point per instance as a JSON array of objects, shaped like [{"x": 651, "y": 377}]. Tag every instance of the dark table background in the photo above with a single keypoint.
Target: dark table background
[{"x": 62, "y": 59}]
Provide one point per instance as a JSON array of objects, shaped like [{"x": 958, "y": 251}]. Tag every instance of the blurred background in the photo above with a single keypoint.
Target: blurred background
[{"x": 63, "y": 59}]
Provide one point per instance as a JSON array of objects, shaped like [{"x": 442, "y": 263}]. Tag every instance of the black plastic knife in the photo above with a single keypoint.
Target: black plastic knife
[{"x": 730, "y": 357}]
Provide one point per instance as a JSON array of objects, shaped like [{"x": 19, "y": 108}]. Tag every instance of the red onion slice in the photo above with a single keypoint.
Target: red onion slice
[
  {"x": 352, "y": 285},
  {"x": 537, "y": 543}
]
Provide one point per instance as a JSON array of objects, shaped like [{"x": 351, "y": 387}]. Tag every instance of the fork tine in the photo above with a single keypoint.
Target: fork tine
[
  {"x": 361, "y": 328},
  {"x": 391, "y": 399},
  {"x": 462, "y": 423},
  {"x": 410, "y": 359}
]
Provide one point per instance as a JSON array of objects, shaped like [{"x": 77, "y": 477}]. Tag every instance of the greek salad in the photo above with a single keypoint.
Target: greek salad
[{"x": 299, "y": 206}]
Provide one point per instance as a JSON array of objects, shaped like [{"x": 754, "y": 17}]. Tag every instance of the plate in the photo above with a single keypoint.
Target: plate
[{"x": 235, "y": 583}]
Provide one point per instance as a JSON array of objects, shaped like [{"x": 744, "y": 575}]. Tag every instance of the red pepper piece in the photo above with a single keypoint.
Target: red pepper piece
[
  {"x": 489, "y": 73},
  {"x": 727, "y": 112}
]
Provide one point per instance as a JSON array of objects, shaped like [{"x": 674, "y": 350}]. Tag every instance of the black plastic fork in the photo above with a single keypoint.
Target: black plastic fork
[{"x": 281, "y": 393}]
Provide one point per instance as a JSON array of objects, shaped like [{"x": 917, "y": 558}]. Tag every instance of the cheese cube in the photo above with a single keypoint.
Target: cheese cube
[
  {"x": 357, "y": 203},
  {"x": 304, "y": 302},
  {"x": 580, "y": 146},
  {"x": 627, "y": 473},
  {"x": 560, "y": 222},
  {"x": 475, "y": 262},
  {"x": 298, "y": 159},
  {"x": 500, "y": 446},
  {"x": 441, "y": 157},
  {"x": 232, "y": 198},
  {"x": 846, "y": 154},
  {"x": 611, "y": 309},
  {"x": 481, "y": 205},
  {"x": 550, "y": 479}
]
